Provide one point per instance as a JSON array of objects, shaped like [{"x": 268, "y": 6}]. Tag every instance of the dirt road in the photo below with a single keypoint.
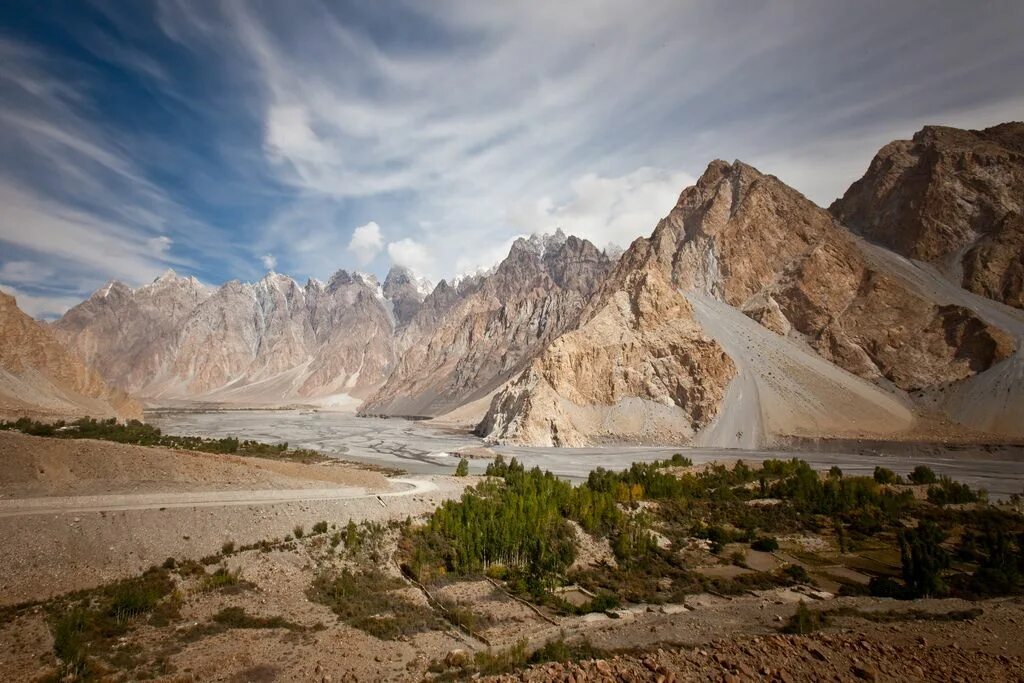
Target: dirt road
[{"x": 160, "y": 501}]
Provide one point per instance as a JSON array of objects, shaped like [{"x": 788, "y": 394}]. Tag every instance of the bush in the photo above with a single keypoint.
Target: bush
[
  {"x": 835, "y": 473},
  {"x": 680, "y": 460},
  {"x": 805, "y": 621},
  {"x": 320, "y": 527},
  {"x": 949, "y": 492},
  {"x": 227, "y": 548},
  {"x": 367, "y": 601},
  {"x": 222, "y": 578},
  {"x": 462, "y": 469},
  {"x": 299, "y": 531},
  {"x": 797, "y": 574},
  {"x": 884, "y": 475},
  {"x": 922, "y": 474},
  {"x": 765, "y": 544}
]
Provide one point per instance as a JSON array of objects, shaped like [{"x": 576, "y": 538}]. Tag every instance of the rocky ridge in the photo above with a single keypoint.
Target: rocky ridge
[
  {"x": 953, "y": 198},
  {"x": 39, "y": 376},
  {"x": 260, "y": 342}
]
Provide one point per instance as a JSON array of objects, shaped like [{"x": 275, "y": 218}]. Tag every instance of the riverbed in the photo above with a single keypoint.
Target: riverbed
[{"x": 420, "y": 448}]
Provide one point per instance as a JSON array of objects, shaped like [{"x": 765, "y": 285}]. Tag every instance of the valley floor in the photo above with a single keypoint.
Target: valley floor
[{"x": 82, "y": 515}]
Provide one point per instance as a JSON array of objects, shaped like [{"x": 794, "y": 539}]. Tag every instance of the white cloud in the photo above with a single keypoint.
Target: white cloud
[
  {"x": 411, "y": 254},
  {"x": 607, "y": 210},
  {"x": 366, "y": 242},
  {"x": 160, "y": 245},
  {"x": 269, "y": 261}
]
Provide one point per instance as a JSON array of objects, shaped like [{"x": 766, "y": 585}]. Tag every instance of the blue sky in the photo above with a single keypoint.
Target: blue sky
[{"x": 225, "y": 138}]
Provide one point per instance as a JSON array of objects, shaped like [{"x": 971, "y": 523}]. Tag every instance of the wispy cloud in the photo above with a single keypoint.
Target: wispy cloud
[{"x": 456, "y": 124}]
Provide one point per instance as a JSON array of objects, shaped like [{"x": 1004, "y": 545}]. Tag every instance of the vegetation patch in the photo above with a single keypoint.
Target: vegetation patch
[
  {"x": 88, "y": 625},
  {"x": 367, "y": 600}
]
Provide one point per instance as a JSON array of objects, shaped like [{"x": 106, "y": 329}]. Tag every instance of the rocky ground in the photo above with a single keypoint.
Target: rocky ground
[{"x": 980, "y": 649}]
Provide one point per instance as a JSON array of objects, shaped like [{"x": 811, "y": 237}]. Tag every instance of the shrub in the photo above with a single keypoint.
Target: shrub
[
  {"x": 680, "y": 460},
  {"x": 805, "y": 621},
  {"x": 835, "y": 473},
  {"x": 884, "y": 475},
  {"x": 222, "y": 578},
  {"x": 367, "y": 601},
  {"x": 299, "y": 531},
  {"x": 236, "y": 617},
  {"x": 320, "y": 527},
  {"x": 462, "y": 469},
  {"x": 922, "y": 474},
  {"x": 949, "y": 492},
  {"x": 796, "y": 573},
  {"x": 765, "y": 544},
  {"x": 227, "y": 548}
]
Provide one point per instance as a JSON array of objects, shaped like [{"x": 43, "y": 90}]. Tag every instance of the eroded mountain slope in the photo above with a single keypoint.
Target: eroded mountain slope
[{"x": 40, "y": 376}]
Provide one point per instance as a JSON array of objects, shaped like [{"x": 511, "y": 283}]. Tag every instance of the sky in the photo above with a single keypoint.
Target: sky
[{"x": 225, "y": 139}]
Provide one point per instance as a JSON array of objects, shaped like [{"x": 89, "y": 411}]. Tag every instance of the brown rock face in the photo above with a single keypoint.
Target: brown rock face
[
  {"x": 639, "y": 370},
  {"x": 945, "y": 197},
  {"x": 265, "y": 342},
  {"x": 994, "y": 266},
  {"x": 469, "y": 339},
  {"x": 762, "y": 247},
  {"x": 38, "y": 375}
]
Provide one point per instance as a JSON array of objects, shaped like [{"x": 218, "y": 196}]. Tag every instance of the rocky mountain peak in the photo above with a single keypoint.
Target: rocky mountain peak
[
  {"x": 942, "y": 195},
  {"x": 539, "y": 244},
  {"x": 403, "y": 279},
  {"x": 406, "y": 292}
]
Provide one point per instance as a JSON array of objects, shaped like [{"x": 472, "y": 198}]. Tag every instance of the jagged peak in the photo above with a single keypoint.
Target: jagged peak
[
  {"x": 540, "y": 243},
  {"x": 368, "y": 279},
  {"x": 340, "y": 277},
  {"x": 401, "y": 275}
]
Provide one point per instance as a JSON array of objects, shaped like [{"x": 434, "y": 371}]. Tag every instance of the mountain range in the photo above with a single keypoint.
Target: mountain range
[{"x": 749, "y": 314}]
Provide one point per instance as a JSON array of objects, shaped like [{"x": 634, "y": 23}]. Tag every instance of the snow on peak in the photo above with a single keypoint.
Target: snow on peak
[
  {"x": 540, "y": 244},
  {"x": 401, "y": 275}
]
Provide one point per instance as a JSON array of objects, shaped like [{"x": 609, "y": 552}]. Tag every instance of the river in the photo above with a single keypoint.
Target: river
[{"x": 421, "y": 449}]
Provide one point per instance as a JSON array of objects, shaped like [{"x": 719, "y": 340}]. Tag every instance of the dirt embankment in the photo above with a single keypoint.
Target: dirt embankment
[{"x": 37, "y": 466}]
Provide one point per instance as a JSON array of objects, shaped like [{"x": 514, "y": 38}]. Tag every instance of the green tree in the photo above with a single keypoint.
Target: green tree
[
  {"x": 924, "y": 559},
  {"x": 462, "y": 469}
]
